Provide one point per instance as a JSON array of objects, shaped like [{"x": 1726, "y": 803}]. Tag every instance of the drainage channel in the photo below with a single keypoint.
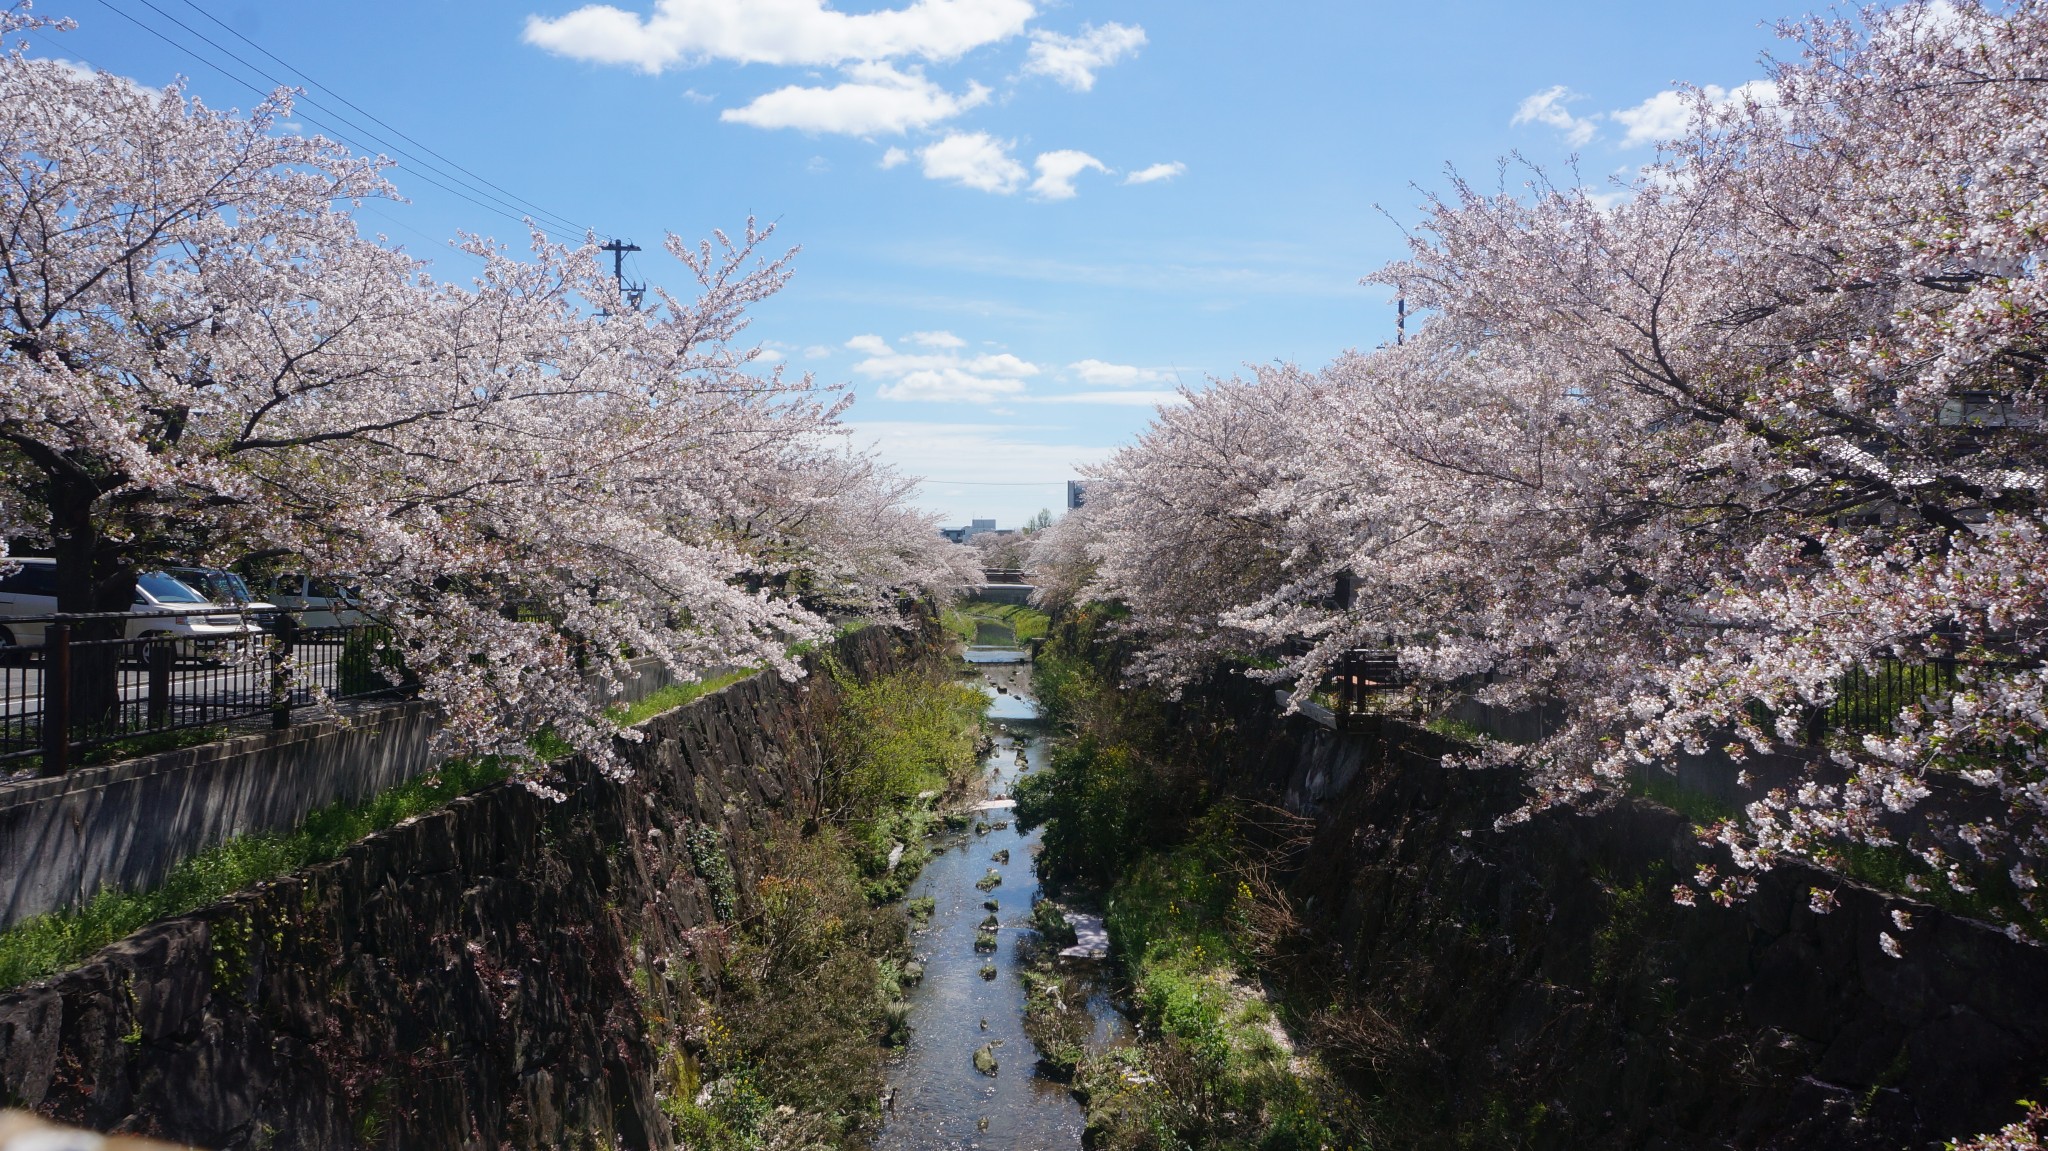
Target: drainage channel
[{"x": 971, "y": 1003}]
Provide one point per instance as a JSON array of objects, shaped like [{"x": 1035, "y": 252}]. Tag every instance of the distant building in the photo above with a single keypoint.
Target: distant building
[
  {"x": 1077, "y": 493},
  {"x": 974, "y": 528}
]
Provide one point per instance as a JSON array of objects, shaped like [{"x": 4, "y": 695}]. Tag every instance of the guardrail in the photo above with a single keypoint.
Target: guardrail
[{"x": 82, "y": 688}]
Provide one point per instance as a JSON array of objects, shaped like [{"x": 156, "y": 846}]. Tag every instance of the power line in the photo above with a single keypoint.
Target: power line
[
  {"x": 560, "y": 223},
  {"x": 374, "y": 118},
  {"x": 261, "y": 92}
]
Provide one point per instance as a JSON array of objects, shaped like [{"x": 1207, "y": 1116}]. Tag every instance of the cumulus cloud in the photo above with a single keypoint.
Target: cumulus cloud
[
  {"x": 1057, "y": 170},
  {"x": 1103, "y": 374},
  {"x": 875, "y": 99},
  {"x": 790, "y": 32},
  {"x": 894, "y": 157},
  {"x": 1548, "y": 107},
  {"x": 1072, "y": 61},
  {"x": 973, "y": 160},
  {"x": 944, "y": 375},
  {"x": 1666, "y": 115},
  {"x": 1156, "y": 172}
]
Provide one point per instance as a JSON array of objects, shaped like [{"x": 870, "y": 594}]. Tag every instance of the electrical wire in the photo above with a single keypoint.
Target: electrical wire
[
  {"x": 539, "y": 212},
  {"x": 500, "y": 209},
  {"x": 504, "y": 207}
]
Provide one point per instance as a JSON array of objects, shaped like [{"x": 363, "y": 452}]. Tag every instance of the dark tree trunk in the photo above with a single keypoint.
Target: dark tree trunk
[{"x": 94, "y": 574}]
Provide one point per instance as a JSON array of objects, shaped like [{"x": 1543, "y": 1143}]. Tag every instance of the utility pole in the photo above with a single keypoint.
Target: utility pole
[
  {"x": 637, "y": 292},
  {"x": 1401, "y": 317}
]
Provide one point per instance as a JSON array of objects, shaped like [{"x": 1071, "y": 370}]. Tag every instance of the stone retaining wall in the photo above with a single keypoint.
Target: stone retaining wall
[
  {"x": 495, "y": 974},
  {"x": 1535, "y": 985}
]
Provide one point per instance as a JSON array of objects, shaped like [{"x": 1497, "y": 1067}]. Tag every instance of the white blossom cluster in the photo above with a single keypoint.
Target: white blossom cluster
[
  {"x": 203, "y": 357},
  {"x": 1676, "y": 462}
]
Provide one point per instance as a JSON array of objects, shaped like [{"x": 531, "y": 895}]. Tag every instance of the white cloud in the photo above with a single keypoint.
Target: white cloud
[
  {"x": 876, "y": 98},
  {"x": 696, "y": 97},
  {"x": 1103, "y": 374},
  {"x": 944, "y": 376},
  {"x": 1548, "y": 107},
  {"x": 949, "y": 386},
  {"x": 1008, "y": 453},
  {"x": 799, "y": 32},
  {"x": 1666, "y": 115},
  {"x": 1156, "y": 172},
  {"x": 817, "y": 352},
  {"x": 1073, "y": 61},
  {"x": 1138, "y": 399},
  {"x": 894, "y": 157},
  {"x": 1056, "y": 172},
  {"x": 973, "y": 160}
]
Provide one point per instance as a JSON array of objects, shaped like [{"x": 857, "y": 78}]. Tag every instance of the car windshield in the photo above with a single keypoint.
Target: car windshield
[
  {"x": 163, "y": 589},
  {"x": 223, "y": 586}
]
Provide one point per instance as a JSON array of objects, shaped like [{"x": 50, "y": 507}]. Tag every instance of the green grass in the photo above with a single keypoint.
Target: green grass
[
  {"x": 48, "y": 944},
  {"x": 1702, "y": 809},
  {"x": 673, "y": 696},
  {"x": 676, "y": 695},
  {"x": 1212, "y": 1073},
  {"x": 1025, "y": 623}
]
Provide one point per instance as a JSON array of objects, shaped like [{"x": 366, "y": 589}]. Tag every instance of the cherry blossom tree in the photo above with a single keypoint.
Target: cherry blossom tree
[
  {"x": 205, "y": 357},
  {"x": 1683, "y": 464}
]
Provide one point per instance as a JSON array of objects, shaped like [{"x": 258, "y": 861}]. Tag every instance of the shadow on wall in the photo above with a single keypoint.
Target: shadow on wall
[{"x": 1542, "y": 984}]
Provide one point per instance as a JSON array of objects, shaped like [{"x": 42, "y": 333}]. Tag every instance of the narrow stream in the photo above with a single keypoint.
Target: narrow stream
[{"x": 940, "y": 1099}]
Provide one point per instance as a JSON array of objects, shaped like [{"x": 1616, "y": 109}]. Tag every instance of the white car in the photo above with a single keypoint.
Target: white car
[
  {"x": 318, "y": 602},
  {"x": 186, "y": 615}
]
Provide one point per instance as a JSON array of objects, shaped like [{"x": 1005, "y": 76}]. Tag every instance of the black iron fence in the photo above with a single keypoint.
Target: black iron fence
[
  {"x": 1869, "y": 698},
  {"x": 73, "y": 684}
]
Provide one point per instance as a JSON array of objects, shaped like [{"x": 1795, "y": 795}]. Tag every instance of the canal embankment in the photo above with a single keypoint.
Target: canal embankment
[{"x": 645, "y": 959}]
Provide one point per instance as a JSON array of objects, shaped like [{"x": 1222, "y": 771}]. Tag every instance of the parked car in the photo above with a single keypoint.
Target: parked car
[
  {"x": 318, "y": 601},
  {"x": 227, "y": 589},
  {"x": 200, "y": 625}
]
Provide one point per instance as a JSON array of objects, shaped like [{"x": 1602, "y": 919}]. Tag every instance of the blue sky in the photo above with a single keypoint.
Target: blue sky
[{"x": 1022, "y": 222}]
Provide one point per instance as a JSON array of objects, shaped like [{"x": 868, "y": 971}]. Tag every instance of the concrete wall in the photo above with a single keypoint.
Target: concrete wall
[{"x": 125, "y": 825}]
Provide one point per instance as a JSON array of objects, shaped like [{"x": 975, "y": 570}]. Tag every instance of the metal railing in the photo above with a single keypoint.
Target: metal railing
[
  {"x": 88, "y": 682},
  {"x": 1869, "y": 698}
]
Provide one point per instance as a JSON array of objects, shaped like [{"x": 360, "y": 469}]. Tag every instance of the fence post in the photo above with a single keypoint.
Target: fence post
[
  {"x": 56, "y": 698},
  {"x": 281, "y": 671},
  {"x": 161, "y": 654}
]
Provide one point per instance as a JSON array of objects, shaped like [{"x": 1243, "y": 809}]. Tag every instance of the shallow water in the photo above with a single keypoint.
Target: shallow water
[{"x": 940, "y": 1099}]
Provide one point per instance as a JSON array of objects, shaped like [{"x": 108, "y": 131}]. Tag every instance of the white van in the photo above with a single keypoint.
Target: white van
[
  {"x": 204, "y": 626},
  {"x": 318, "y": 602}
]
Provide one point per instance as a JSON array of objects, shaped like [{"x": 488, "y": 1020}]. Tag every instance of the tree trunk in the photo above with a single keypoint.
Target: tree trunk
[{"x": 94, "y": 574}]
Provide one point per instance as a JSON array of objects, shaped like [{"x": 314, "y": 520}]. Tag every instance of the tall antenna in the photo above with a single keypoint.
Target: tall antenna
[
  {"x": 631, "y": 293},
  {"x": 1401, "y": 317}
]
